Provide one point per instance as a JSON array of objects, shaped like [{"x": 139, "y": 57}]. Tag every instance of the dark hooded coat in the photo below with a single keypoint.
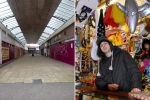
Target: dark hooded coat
[{"x": 125, "y": 72}]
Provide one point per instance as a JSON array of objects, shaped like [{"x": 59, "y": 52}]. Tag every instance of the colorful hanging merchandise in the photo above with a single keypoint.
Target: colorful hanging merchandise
[
  {"x": 83, "y": 45},
  {"x": 117, "y": 38},
  {"x": 146, "y": 49},
  {"x": 113, "y": 20},
  {"x": 76, "y": 40},
  {"x": 109, "y": 20},
  {"x": 91, "y": 20},
  {"x": 132, "y": 11},
  {"x": 101, "y": 26},
  {"x": 94, "y": 49},
  {"x": 147, "y": 70},
  {"x": 147, "y": 27},
  {"x": 146, "y": 31},
  {"x": 145, "y": 58},
  {"x": 118, "y": 19}
]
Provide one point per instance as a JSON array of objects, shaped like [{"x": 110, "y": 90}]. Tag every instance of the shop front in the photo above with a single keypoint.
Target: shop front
[
  {"x": 63, "y": 52},
  {"x": 10, "y": 52}
]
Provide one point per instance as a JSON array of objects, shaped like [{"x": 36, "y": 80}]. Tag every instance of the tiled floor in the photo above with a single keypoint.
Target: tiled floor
[
  {"x": 28, "y": 68},
  {"x": 29, "y": 91}
]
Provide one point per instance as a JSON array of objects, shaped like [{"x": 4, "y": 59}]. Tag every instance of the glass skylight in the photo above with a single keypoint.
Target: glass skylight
[
  {"x": 63, "y": 13},
  {"x": 7, "y": 18}
]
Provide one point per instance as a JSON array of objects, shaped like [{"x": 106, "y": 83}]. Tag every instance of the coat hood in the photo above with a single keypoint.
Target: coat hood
[
  {"x": 99, "y": 41},
  {"x": 113, "y": 48}
]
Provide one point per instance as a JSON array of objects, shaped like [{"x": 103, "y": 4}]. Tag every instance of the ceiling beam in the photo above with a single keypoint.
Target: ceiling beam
[
  {"x": 51, "y": 28},
  {"x": 18, "y": 33},
  {"x": 20, "y": 37},
  {"x": 66, "y": 9},
  {"x": 66, "y": 4},
  {"x": 13, "y": 28},
  {"x": 61, "y": 19},
  {"x": 46, "y": 33},
  {"x": 41, "y": 39},
  {"x": 3, "y": 19},
  {"x": 3, "y": 2},
  {"x": 61, "y": 14},
  {"x": 4, "y": 6},
  {"x": 44, "y": 37}
]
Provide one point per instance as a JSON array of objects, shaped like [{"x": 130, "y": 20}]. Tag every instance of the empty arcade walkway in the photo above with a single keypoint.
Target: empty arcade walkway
[{"x": 28, "y": 68}]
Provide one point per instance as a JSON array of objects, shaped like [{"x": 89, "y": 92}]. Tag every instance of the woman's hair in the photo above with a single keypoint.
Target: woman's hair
[
  {"x": 145, "y": 55},
  {"x": 145, "y": 41},
  {"x": 99, "y": 41}
]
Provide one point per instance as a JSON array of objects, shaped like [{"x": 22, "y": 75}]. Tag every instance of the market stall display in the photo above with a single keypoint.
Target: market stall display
[{"x": 112, "y": 23}]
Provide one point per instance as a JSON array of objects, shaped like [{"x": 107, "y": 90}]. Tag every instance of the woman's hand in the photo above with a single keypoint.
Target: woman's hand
[
  {"x": 137, "y": 94},
  {"x": 135, "y": 90},
  {"x": 113, "y": 87}
]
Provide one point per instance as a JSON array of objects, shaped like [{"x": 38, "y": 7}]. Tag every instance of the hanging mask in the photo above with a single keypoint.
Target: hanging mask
[
  {"x": 124, "y": 36},
  {"x": 83, "y": 14},
  {"x": 91, "y": 21}
]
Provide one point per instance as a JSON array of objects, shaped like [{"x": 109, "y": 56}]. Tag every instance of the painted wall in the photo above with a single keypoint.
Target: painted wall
[{"x": 63, "y": 52}]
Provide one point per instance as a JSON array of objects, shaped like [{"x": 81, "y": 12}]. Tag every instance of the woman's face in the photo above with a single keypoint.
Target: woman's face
[
  {"x": 147, "y": 46},
  {"x": 105, "y": 47}
]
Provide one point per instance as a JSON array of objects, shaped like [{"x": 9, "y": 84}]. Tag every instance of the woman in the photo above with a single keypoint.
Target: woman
[
  {"x": 118, "y": 70},
  {"x": 145, "y": 57},
  {"x": 146, "y": 49}
]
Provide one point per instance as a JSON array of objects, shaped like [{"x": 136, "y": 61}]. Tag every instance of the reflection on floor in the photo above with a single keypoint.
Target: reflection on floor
[{"x": 28, "y": 68}]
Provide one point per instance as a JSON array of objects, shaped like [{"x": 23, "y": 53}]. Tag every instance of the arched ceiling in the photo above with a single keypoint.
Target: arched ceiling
[{"x": 33, "y": 16}]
